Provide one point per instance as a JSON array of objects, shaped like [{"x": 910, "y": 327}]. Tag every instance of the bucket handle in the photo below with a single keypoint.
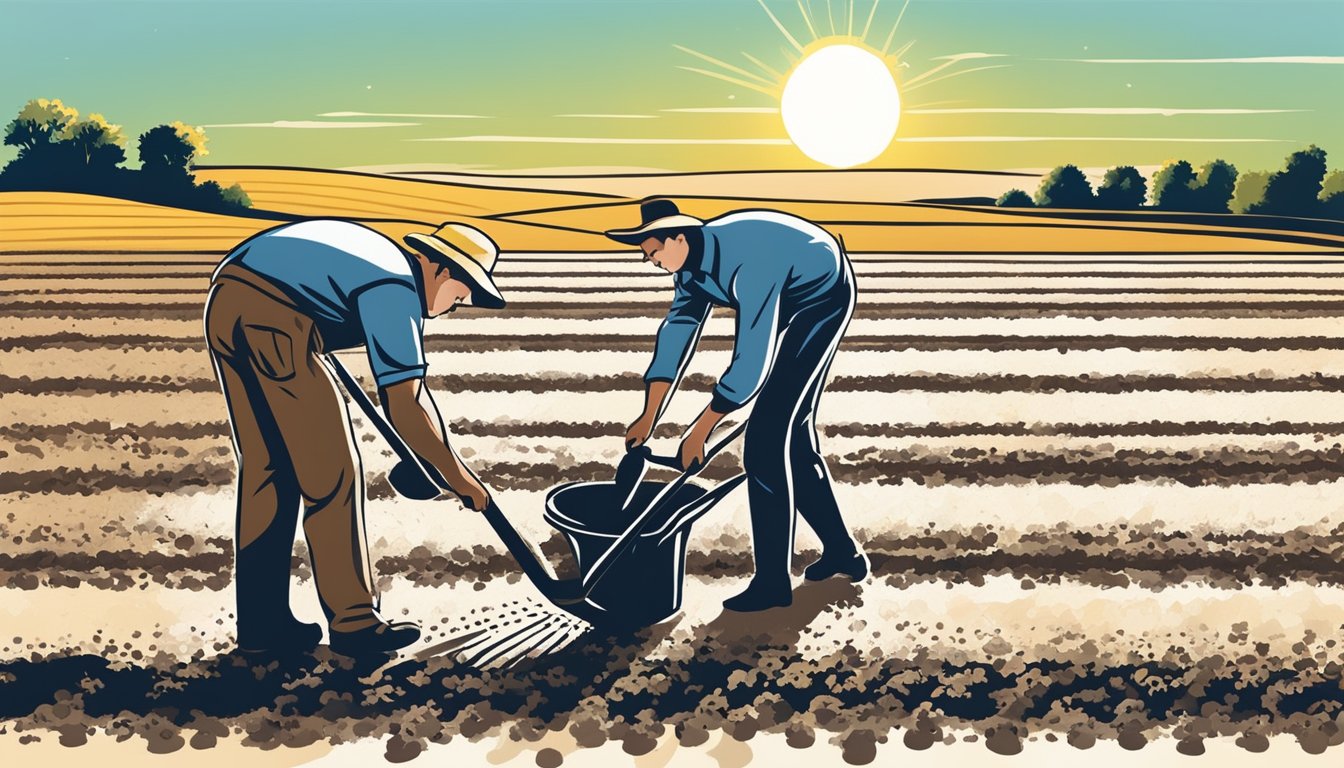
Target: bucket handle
[{"x": 623, "y": 542}]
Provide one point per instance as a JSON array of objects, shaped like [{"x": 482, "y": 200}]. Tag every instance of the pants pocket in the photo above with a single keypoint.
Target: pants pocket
[{"x": 272, "y": 351}]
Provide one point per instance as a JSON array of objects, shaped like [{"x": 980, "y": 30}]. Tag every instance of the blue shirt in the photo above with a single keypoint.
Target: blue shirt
[
  {"x": 764, "y": 264},
  {"x": 357, "y": 285}
]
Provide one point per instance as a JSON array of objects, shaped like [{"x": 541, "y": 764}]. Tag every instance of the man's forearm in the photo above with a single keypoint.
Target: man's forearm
[
  {"x": 654, "y": 396},
  {"x": 418, "y": 428}
]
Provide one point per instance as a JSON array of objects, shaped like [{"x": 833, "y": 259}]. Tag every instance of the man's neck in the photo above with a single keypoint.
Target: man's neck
[{"x": 695, "y": 257}]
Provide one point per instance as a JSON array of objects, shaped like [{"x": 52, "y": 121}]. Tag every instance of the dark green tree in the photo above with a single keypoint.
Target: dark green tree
[
  {"x": 1295, "y": 190},
  {"x": 1173, "y": 187},
  {"x": 1214, "y": 186},
  {"x": 1064, "y": 187},
  {"x": 1014, "y": 198},
  {"x": 1123, "y": 188}
]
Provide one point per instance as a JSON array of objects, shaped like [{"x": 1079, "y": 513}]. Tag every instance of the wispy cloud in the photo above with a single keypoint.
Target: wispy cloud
[
  {"x": 727, "y": 110},
  {"x": 405, "y": 114},
  {"x": 1155, "y": 139},
  {"x": 968, "y": 56},
  {"x": 1163, "y": 111},
  {"x": 613, "y": 117},
  {"x": 1239, "y": 60},
  {"x": 603, "y": 140},
  {"x": 310, "y": 124}
]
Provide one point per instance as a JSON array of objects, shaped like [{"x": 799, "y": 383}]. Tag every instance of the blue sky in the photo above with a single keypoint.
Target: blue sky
[{"x": 518, "y": 84}]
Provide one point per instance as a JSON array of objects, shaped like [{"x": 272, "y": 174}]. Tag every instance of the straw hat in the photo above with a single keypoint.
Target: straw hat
[
  {"x": 656, "y": 214},
  {"x": 471, "y": 251}
]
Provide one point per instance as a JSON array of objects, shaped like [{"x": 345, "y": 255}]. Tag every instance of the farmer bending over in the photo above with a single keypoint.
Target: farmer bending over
[
  {"x": 793, "y": 289},
  {"x": 277, "y": 302}
]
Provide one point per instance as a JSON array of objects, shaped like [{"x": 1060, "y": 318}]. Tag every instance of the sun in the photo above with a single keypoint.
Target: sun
[
  {"x": 841, "y": 97},
  {"x": 841, "y": 106}
]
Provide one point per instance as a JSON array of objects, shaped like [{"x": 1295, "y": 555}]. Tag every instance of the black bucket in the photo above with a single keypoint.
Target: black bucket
[{"x": 643, "y": 585}]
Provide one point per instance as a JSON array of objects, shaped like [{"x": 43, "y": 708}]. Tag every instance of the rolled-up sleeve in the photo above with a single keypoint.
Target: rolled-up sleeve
[
  {"x": 393, "y": 332},
  {"x": 754, "y": 348},
  {"x": 676, "y": 334}
]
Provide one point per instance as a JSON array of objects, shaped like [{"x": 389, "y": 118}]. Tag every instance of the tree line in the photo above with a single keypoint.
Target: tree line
[
  {"x": 60, "y": 152},
  {"x": 1301, "y": 188}
]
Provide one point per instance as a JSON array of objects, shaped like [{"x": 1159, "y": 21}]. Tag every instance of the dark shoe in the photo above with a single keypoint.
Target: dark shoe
[
  {"x": 292, "y": 636},
  {"x": 760, "y": 598},
  {"x": 854, "y": 566},
  {"x": 383, "y": 637}
]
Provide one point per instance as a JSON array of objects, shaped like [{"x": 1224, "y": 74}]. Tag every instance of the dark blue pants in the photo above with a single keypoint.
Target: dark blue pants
[{"x": 785, "y": 470}]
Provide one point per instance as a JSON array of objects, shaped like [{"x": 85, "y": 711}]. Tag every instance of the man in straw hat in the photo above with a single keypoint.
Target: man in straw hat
[
  {"x": 793, "y": 289},
  {"x": 277, "y": 302}
]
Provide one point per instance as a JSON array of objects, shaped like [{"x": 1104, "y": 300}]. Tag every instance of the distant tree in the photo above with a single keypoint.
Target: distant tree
[
  {"x": 1249, "y": 191},
  {"x": 60, "y": 152},
  {"x": 1295, "y": 191},
  {"x": 172, "y": 147},
  {"x": 1173, "y": 187},
  {"x": 1122, "y": 188},
  {"x": 1333, "y": 184},
  {"x": 1213, "y": 187},
  {"x": 1332, "y": 196},
  {"x": 1064, "y": 187},
  {"x": 96, "y": 144},
  {"x": 41, "y": 121},
  {"x": 234, "y": 196},
  {"x": 37, "y": 131},
  {"x": 1014, "y": 198}
]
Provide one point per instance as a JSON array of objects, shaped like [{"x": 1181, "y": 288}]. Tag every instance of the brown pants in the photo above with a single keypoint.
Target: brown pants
[{"x": 293, "y": 441}]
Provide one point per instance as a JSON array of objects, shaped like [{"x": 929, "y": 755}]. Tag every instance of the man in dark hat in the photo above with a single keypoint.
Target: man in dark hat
[
  {"x": 793, "y": 289},
  {"x": 277, "y": 302}
]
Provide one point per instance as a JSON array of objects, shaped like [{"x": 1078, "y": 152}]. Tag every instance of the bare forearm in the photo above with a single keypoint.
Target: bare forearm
[
  {"x": 420, "y": 430},
  {"x": 654, "y": 395},
  {"x": 704, "y": 424}
]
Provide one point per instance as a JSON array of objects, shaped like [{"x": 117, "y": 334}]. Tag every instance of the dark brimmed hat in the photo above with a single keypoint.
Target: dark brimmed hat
[
  {"x": 657, "y": 213},
  {"x": 471, "y": 251}
]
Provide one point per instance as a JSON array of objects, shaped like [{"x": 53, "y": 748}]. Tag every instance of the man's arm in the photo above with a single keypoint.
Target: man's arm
[
  {"x": 673, "y": 348},
  {"x": 753, "y": 357},
  {"x": 412, "y": 411}
]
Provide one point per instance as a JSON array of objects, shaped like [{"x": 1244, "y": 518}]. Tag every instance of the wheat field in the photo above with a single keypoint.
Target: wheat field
[{"x": 1100, "y": 488}]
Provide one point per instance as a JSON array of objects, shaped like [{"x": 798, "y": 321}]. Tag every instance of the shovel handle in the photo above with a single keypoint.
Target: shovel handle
[{"x": 522, "y": 552}]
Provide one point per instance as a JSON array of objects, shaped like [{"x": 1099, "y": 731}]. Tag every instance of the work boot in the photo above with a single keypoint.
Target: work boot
[
  {"x": 855, "y": 566},
  {"x": 280, "y": 638},
  {"x": 383, "y": 637},
  {"x": 759, "y": 596}
]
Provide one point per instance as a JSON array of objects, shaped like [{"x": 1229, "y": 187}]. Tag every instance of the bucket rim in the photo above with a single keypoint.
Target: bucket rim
[{"x": 569, "y": 525}]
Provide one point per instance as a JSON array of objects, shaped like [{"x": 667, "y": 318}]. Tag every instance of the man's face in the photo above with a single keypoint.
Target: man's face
[
  {"x": 445, "y": 294},
  {"x": 669, "y": 254}
]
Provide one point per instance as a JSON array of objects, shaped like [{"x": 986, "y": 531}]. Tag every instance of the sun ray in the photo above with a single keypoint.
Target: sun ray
[
  {"x": 733, "y": 80},
  {"x": 808, "y": 18},
  {"x": 907, "y": 87},
  {"x": 781, "y": 27},
  {"x": 869, "y": 25},
  {"x": 895, "y": 27},
  {"x": 849, "y": 27},
  {"x": 766, "y": 67},
  {"x": 952, "y": 61},
  {"x": 830, "y": 17},
  {"x": 899, "y": 53},
  {"x": 724, "y": 64}
]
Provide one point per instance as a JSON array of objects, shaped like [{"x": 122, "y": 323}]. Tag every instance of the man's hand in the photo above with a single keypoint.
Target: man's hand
[
  {"x": 638, "y": 433},
  {"x": 692, "y": 453},
  {"x": 472, "y": 494}
]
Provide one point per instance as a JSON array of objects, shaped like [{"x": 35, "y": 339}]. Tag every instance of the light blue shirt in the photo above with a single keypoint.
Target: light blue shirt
[
  {"x": 357, "y": 285},
  {"x": 764, "y": 264}
]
